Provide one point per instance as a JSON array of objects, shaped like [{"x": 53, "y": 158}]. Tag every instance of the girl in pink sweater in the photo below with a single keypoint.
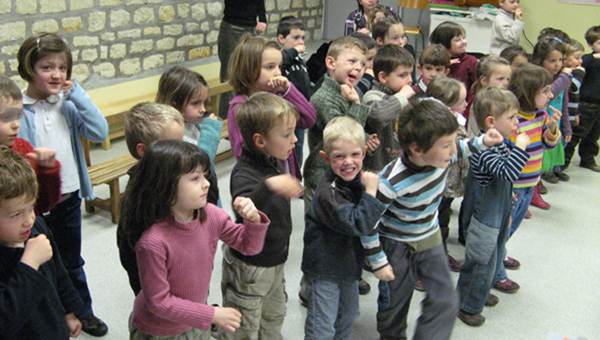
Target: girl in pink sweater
[{"x": 175, "y": 233}]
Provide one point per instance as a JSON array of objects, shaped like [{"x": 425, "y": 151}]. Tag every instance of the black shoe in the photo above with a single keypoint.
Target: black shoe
[
  {"x": 473, "y": 320},
  {"x": 593, "y": 167},
  {"x": 363, "y": 287},
  {"x": 94, "y": 326},
  {"x": 562, "y": 176},
  {"x": 543, "y": 189},
  {"x": 491, "y": 300},
  {"x": 550, "y": 177}
]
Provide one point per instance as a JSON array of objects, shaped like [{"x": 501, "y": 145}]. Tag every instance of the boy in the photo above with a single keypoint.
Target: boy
[
  {"x": 344, "y": 208},
  {"x": 43, "y": 160},
  {"x": 573, "y": 61},
  {"x": 411, "y": 187},
  {"x": 366, "y": 82},
  {"x": 588, "y": 130},
  {"x": 38, "y": 297},
  {"x": 434, "y": 61},
  {"x": 489, "y": 184},
  {"x": 255, "y": 285},
  {"x": 144, "y": 124},
  {"x": 508, "y": 26},
  {"x": 393, "y": 66}
]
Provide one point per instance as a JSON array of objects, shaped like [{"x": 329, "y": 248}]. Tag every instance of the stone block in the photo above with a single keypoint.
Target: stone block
[
  {"x": 130, "y": 67},
  {"x": 152, "y": 31},
  {"x": 10, "y": 50},
  {"x": 104, "y": 52},
  {"x": 143, "y": 15},
  {"x": 53, "y": 6},
  {"x": 166, "y": 13},
  {"x": 269, "y": 5},
  {"x": 141, "y": 46},
  {"x": 108, "y": 36},
  {"x": 153, "y": 61},
  {"x": 106, "y": 70},
  {"x": 192, "y": 27},
  {"x": 275, "y": 17},
  {"x": 85, "y": 41},
  {"x": 305, "y": 13},
  {"x": 314, "y": 12},
  {"x": 183, "y": 10},
  {"x": 175, "y": 57},
  {"x": 310, "y": 23},
  {"x": 130, "y": 34},
  {"x": 134, "y": 2},
  {"x": 173, "y": 29},
  {"x": 50, "y": 26},
  {"x": 26, "y": 7},
  {"x": 190, "y": 40},
  {"x": 165, "y": 44},
  {"x": 198, "y": 12},
  {"x": 14, "y": 65},
  {"x": 110, "y": 2},
  {"x": 12, "y": 31},
  {"x": 72, "y": 24},
  {"x": 97, "y": 21},
  {"x": 119, "y": 18},
  {"x": 74, "y": 55},
  {"x": 318, "y": 35},
  {"x": 313, "y": 3},
  {"x": 81, "y": 4},
  {"x": 2, "y": 67},
  {"x": 118, "y": 51},
  {"x": 5, "y": 7},
  {"x": 205, "y": 26},
  {"x": 215, "y": 8},
  {"x": 89, "y": 54},
  {"x": 199, "y": 52},
  {"x": 283, "y": 5},
  {"x": 212, "y": 37},
  {"x": 297, "y": 3},
  {"x": 81, "y": 72}
]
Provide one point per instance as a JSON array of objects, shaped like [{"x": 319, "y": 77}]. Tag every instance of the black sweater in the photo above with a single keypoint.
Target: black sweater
[{"x": 244, "y": 12}]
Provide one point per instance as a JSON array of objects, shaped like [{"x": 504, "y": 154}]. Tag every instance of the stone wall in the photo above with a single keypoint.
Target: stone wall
[{"x": 117, "y": 40}]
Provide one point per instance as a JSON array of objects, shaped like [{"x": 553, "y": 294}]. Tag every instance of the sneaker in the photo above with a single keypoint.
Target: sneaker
[
  {"x": 542, "y": 187},
  {"x": 491, "y": 300},
  {"x": 508, "y": 286},
  {"x": 419, "y": 286},
  {"x": 550, "y": 177},
  {"x": 562, "y": 176},
  {"x": 511, "y": 264},
  {"x": 93, "y": 326},
  {"x": 527, "y": 214},
  {"x": 538, "y": 201},
  {"x": 454, "y": 265},
  {"x": 593, "y": 167},
  {"x": 473, "y": 320},
  {"x": 363, "y": 287}
]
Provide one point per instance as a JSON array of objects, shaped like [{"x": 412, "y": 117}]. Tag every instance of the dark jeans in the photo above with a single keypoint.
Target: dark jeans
[
  {"x": 299, "y": 149},
  {"x": 585, "y": 134},
  {"x": 65, "y": 223},
  {"x": 444, "y": 213}
]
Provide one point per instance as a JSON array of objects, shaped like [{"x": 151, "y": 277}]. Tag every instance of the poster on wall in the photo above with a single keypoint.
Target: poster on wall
[{"x": 581, "y": 2}]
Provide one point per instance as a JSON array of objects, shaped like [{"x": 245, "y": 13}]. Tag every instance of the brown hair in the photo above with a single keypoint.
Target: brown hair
[
  {"x": 435, "y": 55},
  {"x": 444, "y": 89},
  {"x": 177, "y": 85},
  {"x": 389, "y": 57},
  {"x": 592, "y": 34},
  {"x": 339, "y": 45},
  {"x": 40, "y": 46},
  {"x": 445, "y": 32},
  {"x": 526, "y": 82},
  {"x": 492, "y": 101},
  {"x": 246, "y": 62},
  {"x": 17, "y": 177},
  {"x": 486, "y": 68},
  {"x": 9, "y": 90}
]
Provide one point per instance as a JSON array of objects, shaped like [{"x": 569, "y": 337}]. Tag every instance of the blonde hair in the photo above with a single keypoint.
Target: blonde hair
[
  {"x": 145, "y": 122},
  {"x": 492, "y": 101},
  {"x": 344, "y": 129},
  {"x": 260, "y": 114},
  {"x": 486, "y": 68},
  {"x": 246, "y": 62},
  {"x": 339, "y": 45},
  {"x": 17, "y": 177}
]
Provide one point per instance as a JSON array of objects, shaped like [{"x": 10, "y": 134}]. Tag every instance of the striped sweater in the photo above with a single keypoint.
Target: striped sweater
[
  {"x": 498, "y": 162},
  {"x": 535, "y": 124}
]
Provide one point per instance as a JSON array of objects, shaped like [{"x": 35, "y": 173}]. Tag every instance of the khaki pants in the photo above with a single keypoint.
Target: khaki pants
[
  {"x": 258, "y": 293},
  {"x": 192, "y": 334}
]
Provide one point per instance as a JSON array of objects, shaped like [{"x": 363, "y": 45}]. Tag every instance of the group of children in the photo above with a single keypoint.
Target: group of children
[{"x": 486, "y": 130}]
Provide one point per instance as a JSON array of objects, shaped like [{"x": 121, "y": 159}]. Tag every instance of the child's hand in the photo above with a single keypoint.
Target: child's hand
[
  {"x": 580, "y": 68},
  {"x": 492, "y": 137},
  {"x": 211, "y": 115},
  {"x": 44, "y": 157},
  {"x": 407, "y": 91},
  {"x": 245, "y": 207},
  {"x": 597, "y": 55},
  {"x": 568, "y": 138},
  {"x": 576, "y": 121},
  {"x": 567, "y": 70},
  {"x": 349, "y": 92},
  {"x": 556, "y": 115},
  {"x": 454, "y": 61},
  {"x": 279, "y": 84},
  {"x": 522, "y": 141},
  {"x": 372, "y": 143},
  {"x": 370, "y": 181},
  {"x": 519, "y": 14},
  {"x": 385, "y": 274},
  {"x": 364, "y": 30},
  {"x": 227, "y": 318},
  {"x": 285, "y": 185},
  {"x": 67, "y": 86},
  {"x": 37, "y": 251},
  {"x": 300, "y": 48},
  {"x": 73, "y": 324}
]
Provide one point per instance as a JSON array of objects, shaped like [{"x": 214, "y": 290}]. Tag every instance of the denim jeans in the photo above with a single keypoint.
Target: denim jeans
[
  {"x": 332, "y": 309},
  {"x": 65, "y": 223},
  {"x": 520, "y": 206}
]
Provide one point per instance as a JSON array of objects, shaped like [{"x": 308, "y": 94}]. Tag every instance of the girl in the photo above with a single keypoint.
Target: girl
[
  {"x": 491, "y": 71},
  {"x": 57, "y": 114},
  {"x": 357, "y": 20},
  {"x": 378, "y": 12},
  {"x": 453, "y": 37},
  {"x": 532, "y": 86},
  {"x": 549, "y": 53},
  {"x": 187, "y": 91},
  {"x": 176, "y": 232},
  {"x": 254, "y": 67},
  {"x": 515, "y": 55},
  {"x": 452, "y": 93}
]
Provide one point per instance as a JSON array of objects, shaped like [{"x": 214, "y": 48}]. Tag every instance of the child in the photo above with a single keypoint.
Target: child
[
  {"x": 255, "y": 67},
  {"x": 588, "y": 130},
  {"x": 175, "y": 232},
  {"x": 43, "y": 160},
  {"x": 357, "y": 20},
  {"x": 515, "y": 55},
  {"x": 38, "y": 299},
  {"x": 453, "y": 94},
  {"x": 255, "y": 285},
  {"x": 144, "y": 124},
  {"x": 508, "y": 26},
  {"x": 453, "y": 37},
  {"x": 378, "y": 12},
  {"x": 573, "y": 61},
  {"x": 366, "y": 82},
  {"x": 488, "y": 201},
  {"x": 532, "y": 86},
  {"x": 410, "y": 187},
  {"x": 392, "y": 90},
  {"x": 344, "y": 209},
  {"x": 389, "y": 31},
  {"x": 434, "y": 61},
  {"x": 58, "y": 113}
]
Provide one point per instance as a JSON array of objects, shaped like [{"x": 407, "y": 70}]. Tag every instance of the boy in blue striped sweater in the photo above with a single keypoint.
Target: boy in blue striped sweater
[{"x": 412, "y": 187}]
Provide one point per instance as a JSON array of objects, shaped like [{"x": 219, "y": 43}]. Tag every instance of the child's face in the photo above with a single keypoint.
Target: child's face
[
  {"x": 193, "y": 111},
  {"x": 397, "y": 79},
  {"x": 192, "y": 192},
  {"x": 429, "y": 71},
  {"x": 500, "y": 77},
  {"x": 281, "y": 140},
  {"x": 395, "y": 35},
  {"x": 507, "y": 123},
  {"x": 10, "y": 114},
  {"x": 553, "y": 62},
  {"x": 596, "y": 46},
  {"x": 543, "y": 97},
  {"x": 574, "y": 59},
  {"x": 270, "y": 63},
  {"x": 461, "y": 104},
  {"x": 16, "y": 220},
  {"x": 517, "y": 62},
  {"x": 458, "y": 45},
  {"x": 50, "y": 76},
  {"x": 370, "y": 57},
  {"x": 295, "y": 38},
  {"x": 510, "y": 6},
  {"x": 345, "y": 158},
  {"x": 349, "y": 66},
  {"x": 440, "y": 155}
]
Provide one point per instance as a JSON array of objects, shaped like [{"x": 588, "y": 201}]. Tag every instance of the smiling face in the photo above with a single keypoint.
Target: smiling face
[
  {"x": 507, "y": 123},
  {"x": 543, "y": 97},
  {"x": 553, "y": 62},
  {"x": 440, "y": 155},
  {"x": 281, "y": 140},
  {"x": 192, "y": 193},
  {"x": 348, "y": 67},
  {"x": 270, "y": 67},
  {"x": 193, "y": 111},
  {"x": 458, "y": 45},
  {"x": 574, "y": 59},
  {"x": 397, "y": 79},
  {"x": 510, "y": 6},
  {"x": 345, "y": 158},
  {"x": 16, "y": 220},
  {"x": 50, "y": 76},
  {"x": 10, "y": 114}
]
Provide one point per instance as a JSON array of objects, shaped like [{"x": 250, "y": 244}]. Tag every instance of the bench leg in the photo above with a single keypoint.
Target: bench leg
[
  {"x": 106, "y": 144},
  {"x": 115, "y": 198}
]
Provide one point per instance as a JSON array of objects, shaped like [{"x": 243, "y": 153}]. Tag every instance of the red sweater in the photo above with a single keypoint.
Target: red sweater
[{"x": 48, "y": 179}]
